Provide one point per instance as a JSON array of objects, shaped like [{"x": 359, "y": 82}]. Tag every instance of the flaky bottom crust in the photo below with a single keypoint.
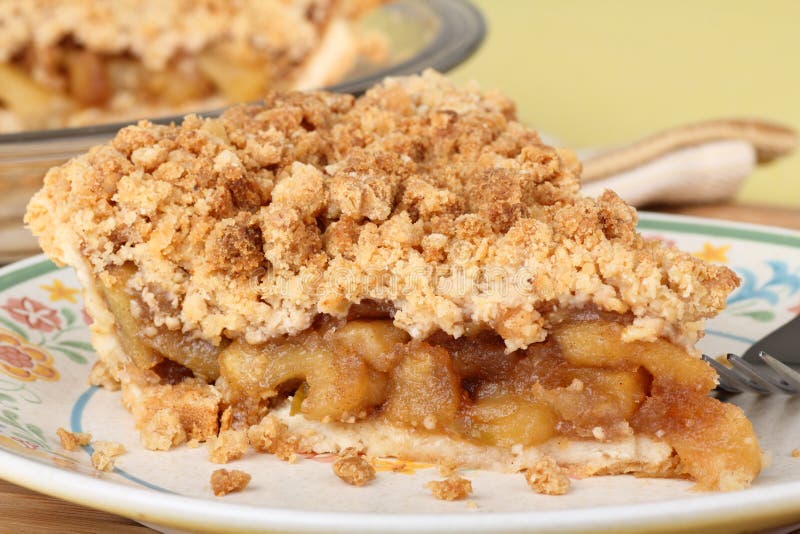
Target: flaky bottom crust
[{"x": 581, "y": 458}]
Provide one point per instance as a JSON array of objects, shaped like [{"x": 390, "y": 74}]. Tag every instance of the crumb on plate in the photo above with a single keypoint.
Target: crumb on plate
[
  {"x": 546, "y": 477},
  {"x": 224, "y": 481},
  {"x": 453, "y": 488},
  {"x": 72, "y": 440},
  {"x": 354, "y": 469},
  {"x": 104, "y": 454}
]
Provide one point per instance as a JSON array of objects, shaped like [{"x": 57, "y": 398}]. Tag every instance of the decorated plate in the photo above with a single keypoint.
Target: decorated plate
[{"x": 45, "y": 357}]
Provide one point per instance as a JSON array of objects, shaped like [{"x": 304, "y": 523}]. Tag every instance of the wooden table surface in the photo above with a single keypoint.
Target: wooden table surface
[{"x": 23, "y": 511}]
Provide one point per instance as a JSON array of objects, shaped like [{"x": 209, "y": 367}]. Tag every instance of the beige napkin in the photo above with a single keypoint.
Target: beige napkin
[{"x": 702, "y": 162}]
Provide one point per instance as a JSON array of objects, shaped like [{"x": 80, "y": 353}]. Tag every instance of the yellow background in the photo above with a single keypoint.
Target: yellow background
[{"x": 595, "y": 73}]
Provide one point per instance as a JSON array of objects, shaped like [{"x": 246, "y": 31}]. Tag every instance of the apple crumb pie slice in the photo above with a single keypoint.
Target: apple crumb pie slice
[{"x": 411, "y": 273}]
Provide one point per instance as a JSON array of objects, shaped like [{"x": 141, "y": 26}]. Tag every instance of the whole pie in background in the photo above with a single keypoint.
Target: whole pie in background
[{"x": 79, "y": 62}]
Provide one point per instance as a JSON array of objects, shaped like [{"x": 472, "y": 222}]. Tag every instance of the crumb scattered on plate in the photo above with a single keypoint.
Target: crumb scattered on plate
[
  {"x": 224, "y": 481},
  {"x": 546, "y": 477},
  {"x": 453, "y": 488},
  {"x": 354, "y": 469},
  {"x": 72, "y": 440},
  {"x": 104, "y": 454}
]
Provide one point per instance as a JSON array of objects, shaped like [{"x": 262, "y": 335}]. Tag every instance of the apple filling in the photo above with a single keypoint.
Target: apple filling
[
  {"x": 583, "y": 383},
  {"x": 82, "y": 79}
]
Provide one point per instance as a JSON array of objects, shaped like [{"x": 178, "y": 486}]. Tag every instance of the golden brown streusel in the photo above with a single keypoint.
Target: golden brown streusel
[
  {"x": 228, "y": 446},
  {"x": 105, "y": 452},
  {"x": 418, "y": 194},
  {"x": 453, "y": 488},
  {"x": 795, "y": 453},
  {"x": 224, "y": 482},
  {"x": 72, "y": 440},
  {"x": 546, "y": 477},
  {"x": 354, "y": 469}
]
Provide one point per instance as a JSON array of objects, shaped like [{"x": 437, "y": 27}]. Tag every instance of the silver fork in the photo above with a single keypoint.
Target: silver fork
[
  {"x": 743, "y": 376},
  {"x": 760, "y": 372}
]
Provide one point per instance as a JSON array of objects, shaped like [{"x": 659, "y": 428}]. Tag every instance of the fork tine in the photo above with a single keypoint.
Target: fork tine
[
  {"x": 762, "y": 384},
  {"x": 790, "y": 379},
  {"x": 728, "y": 379}
]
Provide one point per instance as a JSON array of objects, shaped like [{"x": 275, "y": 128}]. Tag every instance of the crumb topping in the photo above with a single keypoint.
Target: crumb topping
[
  {"x": 159, "y": 31},
  {"x": 105, "y": 452},
  {"x": 354, "y": 469},
  {"x": 546, "y": 477},
  {"x": 795, "y": 453},
  {"x": 224, "y": 482},
  {"x": 453, "y": 488},
  {"x": 420, "y": 195},
  {"x": 72, "y": 440}
]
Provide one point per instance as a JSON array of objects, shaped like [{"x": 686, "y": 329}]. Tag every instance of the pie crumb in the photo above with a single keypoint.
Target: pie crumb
[
  {"x": 272, "y": 436},
  {"x": 224, "y": 481},
  {"x": 227, "y": 446},
  {"x": 101, "y": 376},
  {"x": 104, "y": 454},
  {"x": 795, "y": 453},
  {"x": 354, "y": 470},
  {"x": 546, "y": 477},
  {"x": 453, "y": 488},
  {"x": 72, "y": 440},
  {"x": 472, "y": 505},
  {"x": 163, "y": 430}
]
